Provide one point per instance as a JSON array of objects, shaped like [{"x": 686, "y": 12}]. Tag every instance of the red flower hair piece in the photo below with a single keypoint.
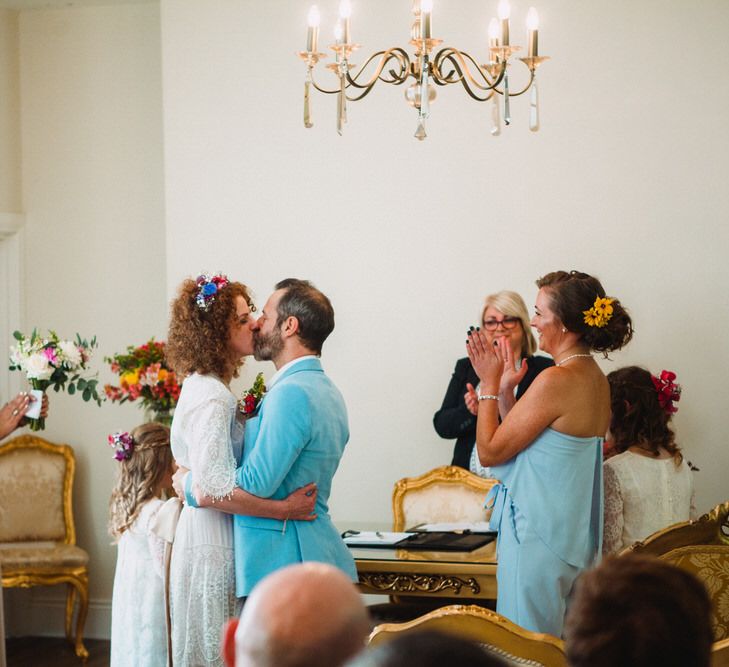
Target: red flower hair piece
[{"x": 668, "y": 391}]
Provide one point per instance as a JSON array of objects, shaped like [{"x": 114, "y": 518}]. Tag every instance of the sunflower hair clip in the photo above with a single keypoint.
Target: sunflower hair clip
[{"x": 600, "y": 313}]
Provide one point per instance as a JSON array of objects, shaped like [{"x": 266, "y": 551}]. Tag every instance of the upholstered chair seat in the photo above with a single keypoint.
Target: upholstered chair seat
[{"x": 37, "y": 534}]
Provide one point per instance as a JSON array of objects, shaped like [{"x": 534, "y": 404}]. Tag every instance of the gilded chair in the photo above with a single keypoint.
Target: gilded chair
[
  {"x": 444, "y": 494},
  {"x": 37, "y": 534},
  {"x": 495, "y": 633},
  {"x": 710, "y": 564},
  {"x": 720, "y": 654},
  {"x": 711, "y": 528}
]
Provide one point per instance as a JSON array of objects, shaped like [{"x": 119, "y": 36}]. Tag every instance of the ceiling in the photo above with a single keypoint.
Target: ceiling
[{"x": 61, "y": 4}]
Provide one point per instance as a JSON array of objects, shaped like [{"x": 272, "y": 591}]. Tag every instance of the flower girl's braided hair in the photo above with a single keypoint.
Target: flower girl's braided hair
[{"x": 139, "y": 475}]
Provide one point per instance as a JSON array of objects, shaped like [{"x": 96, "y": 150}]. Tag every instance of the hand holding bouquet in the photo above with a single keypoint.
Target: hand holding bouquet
[{"x": 48, "y": 361}]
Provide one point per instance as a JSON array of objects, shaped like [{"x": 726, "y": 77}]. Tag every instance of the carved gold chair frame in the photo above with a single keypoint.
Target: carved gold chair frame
[
  {"x": 448, "y": 475},
  {"x": 496, "y": 633},
  {"x": 75, "y": 577},
  {"x": 720, "y": 654}
]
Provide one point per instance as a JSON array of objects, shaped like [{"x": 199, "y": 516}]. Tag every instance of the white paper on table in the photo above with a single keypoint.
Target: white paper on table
[
  {"x": 367, "y": 537},
  {"x": 473, "y": 527}
]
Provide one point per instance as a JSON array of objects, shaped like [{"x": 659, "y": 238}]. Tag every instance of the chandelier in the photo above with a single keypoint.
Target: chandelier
[{"x": 430, "y": 66}]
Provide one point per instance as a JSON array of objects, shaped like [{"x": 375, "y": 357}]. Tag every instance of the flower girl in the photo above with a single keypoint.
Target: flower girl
[{"x": 138, "y": 633}]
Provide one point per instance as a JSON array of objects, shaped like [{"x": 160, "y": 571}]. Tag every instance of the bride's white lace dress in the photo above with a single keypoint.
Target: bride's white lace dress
[
  {"x": 643, "y": 495},
  {"x": 207, "y": 439}
]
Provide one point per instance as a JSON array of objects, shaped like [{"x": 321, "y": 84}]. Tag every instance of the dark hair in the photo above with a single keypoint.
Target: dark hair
[
  {"x": 310, "y": 307},
  {"x": 573, "y": 293},
  {"x": 637, "y": 611},
  {"x": 637, "y": 416},
  {"x": 429, "y": 648},
  {"x": 198, "y": 340}
]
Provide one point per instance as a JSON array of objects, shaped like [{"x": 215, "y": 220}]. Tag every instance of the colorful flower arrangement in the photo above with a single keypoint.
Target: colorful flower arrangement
[
  {"x": 208, "y": 286},
  {"x": 49, "y": 361},
  {"x": 144, "y": 376},
  {"x": 600, "y": 313},
  {"x": 668, "y": 391},
  {"x": 253, "y": 397},
  {"x": 123, "y": 445}
]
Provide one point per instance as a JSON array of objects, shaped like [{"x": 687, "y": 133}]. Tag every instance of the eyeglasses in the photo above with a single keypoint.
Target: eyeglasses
[{"x": 507, "y": 323}]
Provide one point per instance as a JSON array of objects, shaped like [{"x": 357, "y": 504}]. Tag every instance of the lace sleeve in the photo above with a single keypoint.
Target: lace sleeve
[
  {"x": 612, "y": 537},
  {"x": 211, "y": 451}
]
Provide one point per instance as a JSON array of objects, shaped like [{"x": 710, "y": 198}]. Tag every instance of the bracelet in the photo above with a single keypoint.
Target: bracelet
[{"x": 487, "y": 397}]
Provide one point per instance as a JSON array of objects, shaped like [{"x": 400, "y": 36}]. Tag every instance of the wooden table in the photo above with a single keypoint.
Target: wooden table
[{"x": 470, "y": 575}]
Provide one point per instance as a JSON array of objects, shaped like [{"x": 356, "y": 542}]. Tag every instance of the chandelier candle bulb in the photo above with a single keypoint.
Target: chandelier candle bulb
[
  {"x": 493, "y": 39},
  {"x": 312, "y": 34},
  {"x": 426, "y": 13},
  {"x": 345, "y": 11},
  {"x": 532, "y": 22},
  {"x": 504, "y": 10}
]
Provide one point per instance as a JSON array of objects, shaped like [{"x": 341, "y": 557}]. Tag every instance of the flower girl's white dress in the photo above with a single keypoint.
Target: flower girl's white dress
[
  {"x": 138, "y": 633},
  {"x": 207, "y": 439}
]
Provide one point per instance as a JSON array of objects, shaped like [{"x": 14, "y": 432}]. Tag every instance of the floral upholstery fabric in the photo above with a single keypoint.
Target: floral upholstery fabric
[
  {"x": 710, "y": 563},
  {"x": 31, "y": 492},
  {"x": 443, "y": 503},
  {"x": 52, "y": 557}
]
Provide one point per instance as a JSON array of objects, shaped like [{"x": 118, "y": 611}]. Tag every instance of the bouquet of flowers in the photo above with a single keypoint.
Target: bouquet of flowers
[
  {"x": 48, "y": 361},
  {"x": 144, "y": 376},
  {"x": 253, "y": 397}
]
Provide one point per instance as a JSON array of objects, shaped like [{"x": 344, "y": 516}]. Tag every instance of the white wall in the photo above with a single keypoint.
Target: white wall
[
  {"x": 9, "y": 113},
  {"x": 96, "y": 264},
  {"x": 624, "y": 180}
]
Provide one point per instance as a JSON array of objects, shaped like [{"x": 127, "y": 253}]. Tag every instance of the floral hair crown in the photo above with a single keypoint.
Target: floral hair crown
[
  {"x": 123, "y": 443},
  {"x": 668, "y": 391},
  {"x": 600, "y": 313},
  {"x": 208, "y": 287}
]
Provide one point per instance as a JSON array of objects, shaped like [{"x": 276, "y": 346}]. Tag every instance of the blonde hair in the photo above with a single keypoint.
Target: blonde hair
[
  {"x": 139, "y": 476},
  {"x": 512, "y": 305}
]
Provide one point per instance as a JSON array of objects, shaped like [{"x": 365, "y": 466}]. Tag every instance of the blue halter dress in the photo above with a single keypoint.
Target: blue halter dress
[{"x": 548, "y": 511}]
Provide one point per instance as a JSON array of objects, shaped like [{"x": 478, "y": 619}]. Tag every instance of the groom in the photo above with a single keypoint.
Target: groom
[{"x": 297, "y": 436}]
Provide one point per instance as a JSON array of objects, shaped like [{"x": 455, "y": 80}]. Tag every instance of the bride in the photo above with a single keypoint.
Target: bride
[{"x": 209, "y": 336}]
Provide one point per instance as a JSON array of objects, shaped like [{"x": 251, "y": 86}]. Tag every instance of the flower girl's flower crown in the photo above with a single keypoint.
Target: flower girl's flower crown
[
  {"x": 207, "y": 288},
  {"x": 668, "y": 391},
  {"x": 123, "y": 444},
  {"x": 600, "y": 313}
]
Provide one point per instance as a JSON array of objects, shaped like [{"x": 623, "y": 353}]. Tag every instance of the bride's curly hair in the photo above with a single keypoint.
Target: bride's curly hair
[
  {"x": 198, "y": 340},
  {"x": 637, "y": 416},
  {"x": 140, "y": 475}
]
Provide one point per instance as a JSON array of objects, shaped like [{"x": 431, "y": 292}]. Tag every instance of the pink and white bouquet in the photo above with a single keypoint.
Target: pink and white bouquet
[{"x": 48, "y": 361}]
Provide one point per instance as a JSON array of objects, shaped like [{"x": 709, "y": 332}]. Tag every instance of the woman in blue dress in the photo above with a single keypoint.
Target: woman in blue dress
[{"x": 547, "y": 452}]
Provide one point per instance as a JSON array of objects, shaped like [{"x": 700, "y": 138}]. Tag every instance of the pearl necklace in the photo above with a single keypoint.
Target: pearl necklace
[{"x": 572, "y": 356}]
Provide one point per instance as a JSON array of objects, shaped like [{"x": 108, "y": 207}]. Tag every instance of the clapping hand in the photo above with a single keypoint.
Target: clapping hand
[
  {"x": 511, "y": 376},
  {"x": 487, "y": 360},
  {"x": 471, "y": 399}
]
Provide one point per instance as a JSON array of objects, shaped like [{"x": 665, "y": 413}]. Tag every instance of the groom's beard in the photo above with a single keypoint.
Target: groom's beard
[{"x": 267, "y": 347}]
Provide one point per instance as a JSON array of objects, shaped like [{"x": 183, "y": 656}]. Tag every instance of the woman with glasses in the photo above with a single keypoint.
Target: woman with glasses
[{"x": 503, "y": 315}]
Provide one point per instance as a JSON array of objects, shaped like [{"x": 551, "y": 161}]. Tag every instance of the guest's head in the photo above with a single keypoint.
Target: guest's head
[
  {"x": 637, "y": 611},
  {"x": 145, "y": 468},
  {"x": 304, "y": 615},
  {"x": 576, "y": 302},
  {"x": 638, "y": 418},
  {"x": 210, "y": 327},
  {"x": 427, "y": 648},
  {"x": 297, "y": 317},
  {"x": 504, "y": 314}
]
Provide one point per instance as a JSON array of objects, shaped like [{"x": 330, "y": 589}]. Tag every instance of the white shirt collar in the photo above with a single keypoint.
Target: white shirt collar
[{"x": 277, "y": 375}]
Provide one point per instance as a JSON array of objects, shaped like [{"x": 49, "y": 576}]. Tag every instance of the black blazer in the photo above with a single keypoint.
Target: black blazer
[{"x": 453, "y": 420}]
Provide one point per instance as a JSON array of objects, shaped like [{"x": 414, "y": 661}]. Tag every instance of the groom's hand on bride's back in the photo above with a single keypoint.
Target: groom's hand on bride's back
[{"x": 301, "y": 503}]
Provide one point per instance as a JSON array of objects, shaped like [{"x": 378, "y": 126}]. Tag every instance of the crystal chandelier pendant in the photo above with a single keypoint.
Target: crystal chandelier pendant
[
  {"x": 507, "y": 107},
  {"x": 534, "y": 107},
  {"x": 307, "y": 106},
  {"x": 420, "y": 132},
  {"x": 495, "y": 116}
]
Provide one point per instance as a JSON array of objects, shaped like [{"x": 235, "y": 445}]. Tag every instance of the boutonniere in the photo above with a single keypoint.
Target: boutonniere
[{"x": 252, "y": 398}]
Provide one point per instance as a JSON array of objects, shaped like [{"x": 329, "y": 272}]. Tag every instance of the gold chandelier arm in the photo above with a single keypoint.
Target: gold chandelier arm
[
  {"x": 532, "y": 74},
  {"x": 457, "y": 61},
  {"x": 396, "y": 53},
  {"x": 322, "y": 90}
]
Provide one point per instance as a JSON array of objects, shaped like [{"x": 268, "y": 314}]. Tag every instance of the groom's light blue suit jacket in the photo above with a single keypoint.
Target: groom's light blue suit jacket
[{"x": 297, "y": 436}]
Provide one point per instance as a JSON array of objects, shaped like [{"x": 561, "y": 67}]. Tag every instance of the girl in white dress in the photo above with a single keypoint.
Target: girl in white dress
[
  {"x": 648, "y": 483},
  {"x": 138, "y": 632},
  {"x": 210, "y": 334}
]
